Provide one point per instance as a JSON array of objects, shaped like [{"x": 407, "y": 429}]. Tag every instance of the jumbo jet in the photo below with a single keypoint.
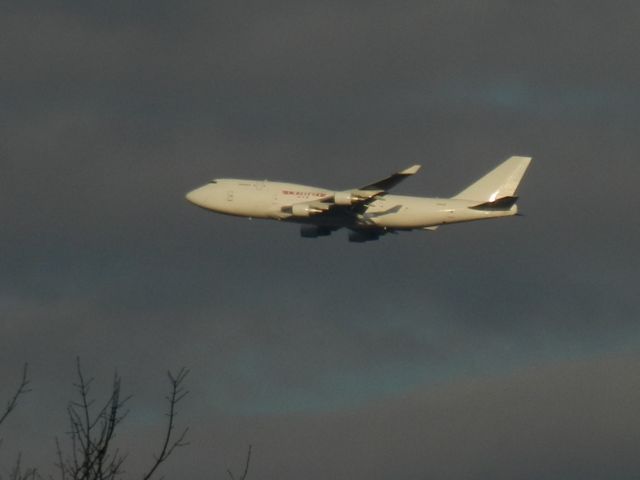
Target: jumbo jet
[{"x": 369, "y": 211}]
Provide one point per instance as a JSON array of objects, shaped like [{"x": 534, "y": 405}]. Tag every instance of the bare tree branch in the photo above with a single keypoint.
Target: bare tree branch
[
  {"x": 246, "y": 467},
  {"x": 22, "y": 389},
  {"x": 18, "y": 474},
  {"x": 90, "y": 453},
  {"x": 170, "y": 443},
  {"x": 91, "y": 434},
  {"x": 62, "y": 467}
]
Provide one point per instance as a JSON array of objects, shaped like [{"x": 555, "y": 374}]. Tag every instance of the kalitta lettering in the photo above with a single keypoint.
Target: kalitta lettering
[{"x": 304, "y": 194}]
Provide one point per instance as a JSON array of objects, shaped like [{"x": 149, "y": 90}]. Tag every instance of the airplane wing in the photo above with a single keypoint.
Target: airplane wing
[
  {"x": 355, "y": 200},
  {"x": 392, "y": 180}
]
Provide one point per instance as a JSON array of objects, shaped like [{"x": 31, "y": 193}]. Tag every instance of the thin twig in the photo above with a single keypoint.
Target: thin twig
[
  {"x": 169, "y": 444},
  {"x": 246, "y": 467},
  {"x": 22, "y": 389}
]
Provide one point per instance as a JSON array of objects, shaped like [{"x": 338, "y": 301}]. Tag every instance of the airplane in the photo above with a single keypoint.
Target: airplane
[{"x": 369, "y": 211}]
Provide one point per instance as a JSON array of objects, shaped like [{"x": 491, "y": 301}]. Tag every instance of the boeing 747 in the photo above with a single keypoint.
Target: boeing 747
[{"x": 369, "y": 211}]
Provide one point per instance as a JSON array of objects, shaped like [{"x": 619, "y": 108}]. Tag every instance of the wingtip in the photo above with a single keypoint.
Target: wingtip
[
  {"x": 521, "y": 158},
  {"x": 411, "y": 170}
]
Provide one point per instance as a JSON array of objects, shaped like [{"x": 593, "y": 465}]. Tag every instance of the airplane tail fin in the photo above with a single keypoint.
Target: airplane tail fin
[{"x": 500, "y": 182}]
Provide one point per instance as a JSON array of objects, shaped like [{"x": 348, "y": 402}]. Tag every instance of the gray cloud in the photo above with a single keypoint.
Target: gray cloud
[
  {"x": 111, "y": 113},
  {"x": 570, "y": 420}
]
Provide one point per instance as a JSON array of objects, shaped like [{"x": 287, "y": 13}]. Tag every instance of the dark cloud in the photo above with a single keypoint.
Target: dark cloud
[
  {"x": 111, "y": 112},
  {"x": 570, "y": 420}
]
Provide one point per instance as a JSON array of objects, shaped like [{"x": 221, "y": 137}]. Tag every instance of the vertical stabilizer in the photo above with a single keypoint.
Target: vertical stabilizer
[{"x": 500, "y": 182}]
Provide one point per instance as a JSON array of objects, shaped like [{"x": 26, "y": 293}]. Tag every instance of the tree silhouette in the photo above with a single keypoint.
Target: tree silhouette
[
  {"x": 17, "y": 472},
  {"x": 22, "y": 389},
  {"x": 89, "y": 452}
]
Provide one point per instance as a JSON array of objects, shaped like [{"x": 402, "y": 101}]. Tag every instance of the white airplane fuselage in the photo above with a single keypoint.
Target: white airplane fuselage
[{"x": 269, "y": 200}]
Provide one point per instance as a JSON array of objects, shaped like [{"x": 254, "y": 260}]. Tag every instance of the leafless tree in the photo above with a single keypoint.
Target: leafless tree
[
  {"x": 91, "y": 452},
  {"x": 171, "y": 441},
  {"x": 22, "y": 389},
  {"x": 17, "y": 472}
]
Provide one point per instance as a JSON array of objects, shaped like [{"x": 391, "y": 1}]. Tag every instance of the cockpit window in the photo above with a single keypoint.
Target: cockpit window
[{"x": 213, "y": 181}]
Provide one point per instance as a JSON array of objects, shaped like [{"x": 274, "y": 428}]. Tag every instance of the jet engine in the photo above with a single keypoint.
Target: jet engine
[
  {"x": 344, "y": 198},
  {"x": 354, "y": 196},
  {"x": 304, "y": 210}
]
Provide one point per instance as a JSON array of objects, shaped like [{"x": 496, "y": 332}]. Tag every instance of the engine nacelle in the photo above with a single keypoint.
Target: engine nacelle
[
  {"x": 303, "y": 210},
  {"x": 344, "y": 198}
]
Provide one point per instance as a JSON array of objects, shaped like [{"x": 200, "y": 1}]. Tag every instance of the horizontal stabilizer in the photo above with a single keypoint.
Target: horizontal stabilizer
[{"x": 502, "y": 203}]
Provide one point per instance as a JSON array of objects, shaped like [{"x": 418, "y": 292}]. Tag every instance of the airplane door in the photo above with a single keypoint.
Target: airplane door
[{"x": 230, "y": 196}]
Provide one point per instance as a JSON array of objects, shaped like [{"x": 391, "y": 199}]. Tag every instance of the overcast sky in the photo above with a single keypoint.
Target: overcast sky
[{"x": 502, "y": 350}]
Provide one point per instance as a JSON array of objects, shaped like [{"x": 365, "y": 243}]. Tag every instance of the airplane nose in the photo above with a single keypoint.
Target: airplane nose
[
  {"x": 189, "y": 196},
  {"x": 197, "y": 196}
]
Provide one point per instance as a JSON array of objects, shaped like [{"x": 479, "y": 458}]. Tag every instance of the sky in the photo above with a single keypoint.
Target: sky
[{"x": 503, "y": 350}]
